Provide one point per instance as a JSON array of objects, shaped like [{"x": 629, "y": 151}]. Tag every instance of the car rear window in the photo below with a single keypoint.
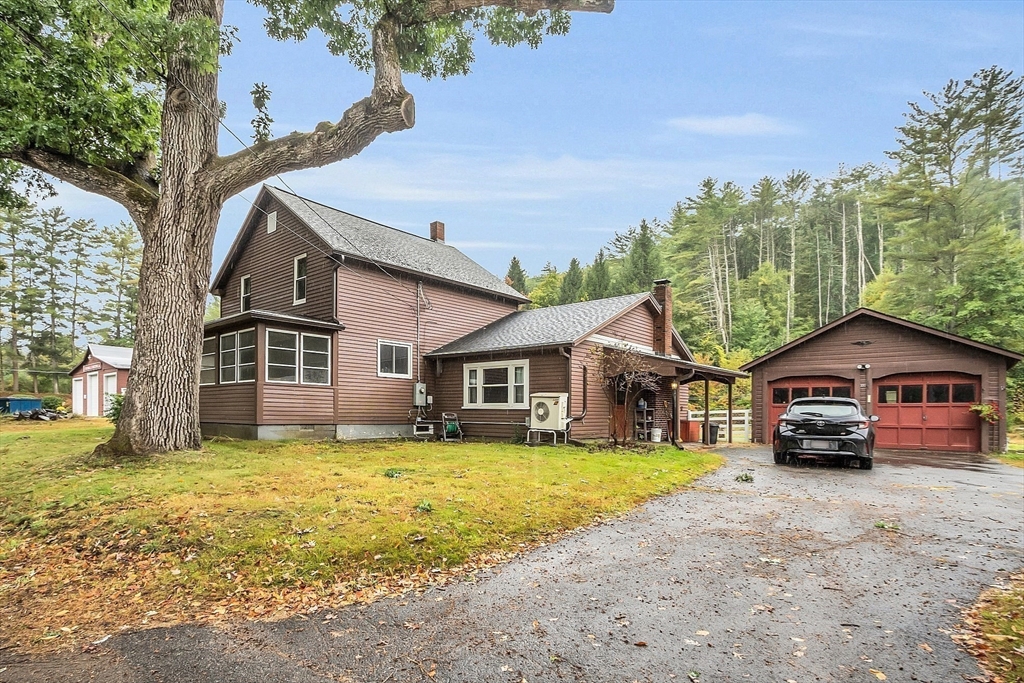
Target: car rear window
[{"x": 824, "y": 409}]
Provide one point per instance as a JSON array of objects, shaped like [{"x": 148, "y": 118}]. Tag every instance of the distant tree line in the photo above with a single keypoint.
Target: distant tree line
[
  {"x": 63, "y": 283},
  {"x": 937, "y": 237}
]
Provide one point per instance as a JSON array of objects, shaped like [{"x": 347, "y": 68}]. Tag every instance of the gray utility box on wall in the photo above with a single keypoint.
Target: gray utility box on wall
[{"x": 419, "y": 394}]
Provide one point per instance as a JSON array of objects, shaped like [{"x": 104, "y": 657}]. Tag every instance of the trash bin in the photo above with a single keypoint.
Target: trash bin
[
  {"x": 713, "y": 429},
  {"x": 693, "y": 431}
]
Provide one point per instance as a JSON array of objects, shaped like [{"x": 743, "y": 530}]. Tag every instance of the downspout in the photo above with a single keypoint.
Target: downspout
[{"x": 568, "y": 357}]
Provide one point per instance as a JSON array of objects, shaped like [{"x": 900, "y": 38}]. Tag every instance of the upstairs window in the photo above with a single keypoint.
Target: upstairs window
[
  {"x": 245, "y": 285},
  {"x": 271, "y": 222},
  {"x": 208, "y": 368},
  {"x": 299, "y": 277},
  {"x": 237, "y": 357},
  {"x": 393, "y": 359}
]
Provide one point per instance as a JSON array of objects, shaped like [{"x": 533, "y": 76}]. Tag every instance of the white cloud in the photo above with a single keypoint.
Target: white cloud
[{"x": 746, "y": 125}]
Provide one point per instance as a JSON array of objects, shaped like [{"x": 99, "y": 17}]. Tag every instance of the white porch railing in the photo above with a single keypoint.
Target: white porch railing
[{"x": 742, "y": 427}]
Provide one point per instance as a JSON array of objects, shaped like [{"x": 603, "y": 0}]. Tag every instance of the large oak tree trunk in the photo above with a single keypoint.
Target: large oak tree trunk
[{"x": 161, "y": 406}]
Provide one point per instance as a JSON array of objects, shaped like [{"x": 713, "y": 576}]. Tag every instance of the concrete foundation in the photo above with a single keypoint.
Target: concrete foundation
[
  {"x": 358, "y": 432},
  {"x": 313, "y": 432}
]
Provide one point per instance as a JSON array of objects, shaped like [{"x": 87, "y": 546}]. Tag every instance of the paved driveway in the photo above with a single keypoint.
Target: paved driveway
[{"x": 785, "y": 578}]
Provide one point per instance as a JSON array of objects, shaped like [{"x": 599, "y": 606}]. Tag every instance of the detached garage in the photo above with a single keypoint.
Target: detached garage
[
  {"x": 921, "y": 382},
  {"x": 102, "y": 373}
]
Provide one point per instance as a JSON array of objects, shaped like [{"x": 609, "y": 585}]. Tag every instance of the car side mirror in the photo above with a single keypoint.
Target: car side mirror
[{"x": 874, "y": 418}]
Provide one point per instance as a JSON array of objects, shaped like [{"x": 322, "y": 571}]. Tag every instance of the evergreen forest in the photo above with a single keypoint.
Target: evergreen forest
[{"x": 934, "y": 234}]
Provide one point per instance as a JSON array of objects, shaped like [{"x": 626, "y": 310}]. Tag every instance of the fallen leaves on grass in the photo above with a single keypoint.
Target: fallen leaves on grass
[{"x": 992, "y": 630}]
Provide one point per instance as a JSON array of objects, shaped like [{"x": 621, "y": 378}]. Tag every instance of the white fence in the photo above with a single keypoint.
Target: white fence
[{"x": 742, "y": 427}]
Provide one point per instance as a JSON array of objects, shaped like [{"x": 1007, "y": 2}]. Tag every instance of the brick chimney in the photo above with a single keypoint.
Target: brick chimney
[
  {"x": 663, "y": 323},
  {"x": 437, "y": 231}
]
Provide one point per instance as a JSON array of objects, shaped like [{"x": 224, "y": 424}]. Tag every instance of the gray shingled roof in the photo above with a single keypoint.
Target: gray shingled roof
[
  {"x": 552, "y": 326},
  {"x": 365, "y": 239}
]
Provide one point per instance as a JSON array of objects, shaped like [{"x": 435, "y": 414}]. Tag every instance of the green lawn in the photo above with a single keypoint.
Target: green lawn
[
  {"x": 1015, "y": 454},
  {"x": 995, "y": 630},
  {"x": 267, "y": 528}
]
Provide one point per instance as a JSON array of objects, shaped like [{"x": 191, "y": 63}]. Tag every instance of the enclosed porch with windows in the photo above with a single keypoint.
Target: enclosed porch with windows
[{"x": 267, "y": 375}]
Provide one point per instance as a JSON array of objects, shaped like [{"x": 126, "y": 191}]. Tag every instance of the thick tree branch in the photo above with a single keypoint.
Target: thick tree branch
[
  {"x": 388, "y": 109},
  {"x": 439, "y": 8},
  {"x": 137, "y": 196}
]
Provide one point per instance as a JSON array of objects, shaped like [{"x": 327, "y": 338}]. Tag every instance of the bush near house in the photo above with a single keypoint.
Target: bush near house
[{"x": 265, "y": 529}]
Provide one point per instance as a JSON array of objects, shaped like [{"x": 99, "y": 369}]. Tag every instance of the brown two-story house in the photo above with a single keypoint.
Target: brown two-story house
[{"x": 330, "y": 321}]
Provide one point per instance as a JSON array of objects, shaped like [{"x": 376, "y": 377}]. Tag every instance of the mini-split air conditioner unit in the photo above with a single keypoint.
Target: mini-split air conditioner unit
[{"x": 549, "y": 411}]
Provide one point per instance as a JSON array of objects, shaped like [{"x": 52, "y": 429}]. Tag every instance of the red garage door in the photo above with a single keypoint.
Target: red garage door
[
  {"x": 782, "y": 391},
  {"x": 929, "y": 411}
]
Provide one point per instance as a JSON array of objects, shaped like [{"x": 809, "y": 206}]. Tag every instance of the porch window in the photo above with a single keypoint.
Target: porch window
[
  {"x": 393, "y": 359},
  {"x": 295, "y": 358},
  {"x": 245, "y": 285},
  {"x": 496, "y": 385},
  {"x": 316, "y": 359},
  {"x": 299, "y": 278},
  {"x": 237, "y": 357},
  {"x": 208, "y": 368}
]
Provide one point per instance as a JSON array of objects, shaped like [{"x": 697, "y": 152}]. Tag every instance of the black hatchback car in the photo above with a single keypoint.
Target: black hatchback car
[{"x": 825, "y": 429}]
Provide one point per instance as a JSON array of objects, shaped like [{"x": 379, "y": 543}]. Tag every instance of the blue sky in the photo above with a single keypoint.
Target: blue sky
[{"x": 546, "y": 153}]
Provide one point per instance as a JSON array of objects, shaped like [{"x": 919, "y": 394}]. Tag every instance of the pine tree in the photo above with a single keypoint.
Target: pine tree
[
  {"x": 597, "y": 282},
  {"x": 642, "y": 265},
  {"x": 516, "y": 276},
  {"x": 547, "y": 291},
  {"x": 81, "y": 236},
  {"x": 118, "y": 277},
  {"x": 51, "y": 229},
  {"x": 571, "y": 289}
]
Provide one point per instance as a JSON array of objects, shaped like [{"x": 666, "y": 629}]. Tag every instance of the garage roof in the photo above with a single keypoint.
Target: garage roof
[{"x": 1012, "y": 357}]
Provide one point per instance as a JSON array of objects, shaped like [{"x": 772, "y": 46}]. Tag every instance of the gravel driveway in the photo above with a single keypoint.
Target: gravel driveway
[{"x": 790, "y": 577}]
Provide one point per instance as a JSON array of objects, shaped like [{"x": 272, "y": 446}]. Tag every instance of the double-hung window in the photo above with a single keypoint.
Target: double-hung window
[
  {"x": 298, "y": 358},
  {"x": 299, "y": 280},
  {"x": 393, "y": 359},
  {"x": 237, "y": 357},
  {"x": 245, "y": 287},
  {"x": 496, "y": 385},
  {"x": 208, "y": 368}
]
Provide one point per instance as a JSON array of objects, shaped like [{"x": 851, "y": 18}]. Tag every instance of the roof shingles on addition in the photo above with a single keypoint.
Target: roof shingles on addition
[
  {"x": 539, "y": 327},
  {"x": 366, "y": 240},
  {"x": 271, "y": 317}
]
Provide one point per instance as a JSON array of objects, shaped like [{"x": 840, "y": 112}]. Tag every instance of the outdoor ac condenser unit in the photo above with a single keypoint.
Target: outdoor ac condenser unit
[{"x": 549, "y": 411}]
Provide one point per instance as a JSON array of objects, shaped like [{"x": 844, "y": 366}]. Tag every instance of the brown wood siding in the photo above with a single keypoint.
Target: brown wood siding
[
  {"x": 635, "y": 326},
  {"x": 373, "y": 307},
  {"x": 893, "y": 350},
  {"x": 289, "y": 404},
  {"x": 595, "y": 424},
  {"x": 549, "y": 372},
  {"x": 269, "y": 261},
  {"x": 228, "y": 403}
]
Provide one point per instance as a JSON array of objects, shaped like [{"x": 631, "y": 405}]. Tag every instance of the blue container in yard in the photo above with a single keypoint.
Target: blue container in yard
[{"x": 14, "y": 404}]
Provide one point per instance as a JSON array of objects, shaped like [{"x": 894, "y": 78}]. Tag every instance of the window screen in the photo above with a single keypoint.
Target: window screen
[
  {"x": 282, "y": 356},
  {"x": 316, "y": 359},
  {"x": 228, "y": 358},
  {"x": 208, "y": 369},
  {"x": 246, "y": 348},
  {"x": 496, "y": 385}
]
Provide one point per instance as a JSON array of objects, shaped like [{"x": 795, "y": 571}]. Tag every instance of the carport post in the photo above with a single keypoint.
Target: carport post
[
  {"x": 729, "y": 417},
  {"x": 707, "y": 412}
]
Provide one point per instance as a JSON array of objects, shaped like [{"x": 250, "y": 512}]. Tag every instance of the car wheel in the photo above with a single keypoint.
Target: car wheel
[
  {"x": 866, "y": 463},
  {"x": 780, "y": 458}
]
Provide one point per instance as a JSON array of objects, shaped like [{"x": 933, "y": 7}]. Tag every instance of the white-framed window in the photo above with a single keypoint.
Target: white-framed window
[
  {"x": 299, "y": 280},
  {"x": 394, "y": 359},
  {"x": 504, "y": 384},
  {"x": 271, "y": 222},
  {"x": 294, "y": 358},
  {"x": 316, "y": 359},
  {"x": 245, "y": 290},
  {"x": 208, "y": 368},
  {"x": 238, "y": 357}
]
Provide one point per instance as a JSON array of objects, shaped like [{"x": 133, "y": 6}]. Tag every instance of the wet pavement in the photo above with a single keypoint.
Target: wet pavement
[{"x": 803, "y": 574}]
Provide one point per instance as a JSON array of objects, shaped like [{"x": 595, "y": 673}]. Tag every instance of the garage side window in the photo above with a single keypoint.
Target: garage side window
[
  {"x": 800, "y": 392},
  {"x": 780, "y": 396},
  {"x": 887, "y": 393},
  {"x": 963, "y": 393},
  {"x": 842, "y": 392}
]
